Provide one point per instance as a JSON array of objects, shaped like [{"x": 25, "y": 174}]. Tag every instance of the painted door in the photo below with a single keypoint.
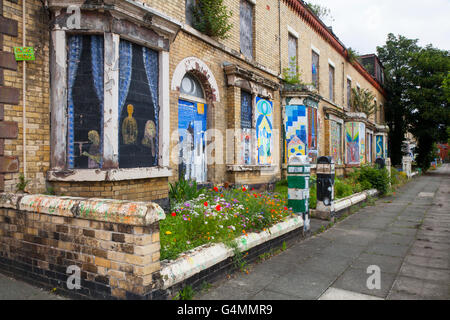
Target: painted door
[{"x": 192, "y": 131}]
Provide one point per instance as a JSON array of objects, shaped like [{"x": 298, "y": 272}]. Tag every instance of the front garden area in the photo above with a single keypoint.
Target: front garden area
[{"x": 203, "y": 216}]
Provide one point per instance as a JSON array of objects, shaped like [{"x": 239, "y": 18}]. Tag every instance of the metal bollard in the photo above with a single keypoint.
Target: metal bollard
[
  {"x": 299, "y": 171},
  {"x": 325, "y": 188}
]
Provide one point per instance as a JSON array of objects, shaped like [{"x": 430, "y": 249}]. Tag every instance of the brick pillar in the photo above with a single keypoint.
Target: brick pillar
[{"x": 8, "y": 95}]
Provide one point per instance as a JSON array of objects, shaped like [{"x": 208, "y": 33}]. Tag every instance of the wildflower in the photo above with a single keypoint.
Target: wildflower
[
  {"x": 174, "y": 214},
  {"x": 205, "y": 204},
  {"x": 244, "y": 189},
  {"x": 168, "y": 232},
  {"x": 216, "y": 189},
  {"x": 218, "y": 207}
]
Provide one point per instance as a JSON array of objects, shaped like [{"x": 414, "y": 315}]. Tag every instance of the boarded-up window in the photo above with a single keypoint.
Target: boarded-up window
[
  {"x": 246, "y": 126},
  {"x": 349, "y": 94},
  {"x": 292, "y": 53},
  {"x": 85, "y": 101},
  {"x": 315, "y": 69},
  {"x": 246, "y": 24},
  {"x": 331, "y": 83}
]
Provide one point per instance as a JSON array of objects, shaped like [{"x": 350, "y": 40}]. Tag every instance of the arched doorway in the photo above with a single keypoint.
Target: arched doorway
[
  {"x": 192, "y": 126},
  {"x": 198, "y": 93}
]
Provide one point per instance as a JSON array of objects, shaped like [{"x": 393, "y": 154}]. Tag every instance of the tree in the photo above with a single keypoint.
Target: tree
[
  {"x": 212, "y": 18},
  {"x": 363, "y": 101},
  {"x": 417, "y": 102},
  {"x": 321, "y": 11},
  {"x": 396, "y": 56},
  {"x": 430, "y": 117}
]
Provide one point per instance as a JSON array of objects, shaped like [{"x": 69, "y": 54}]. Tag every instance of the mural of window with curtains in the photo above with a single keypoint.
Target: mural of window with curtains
[
  {"x": 138, "y": 106},
  {"x": 85, "y": 101}
]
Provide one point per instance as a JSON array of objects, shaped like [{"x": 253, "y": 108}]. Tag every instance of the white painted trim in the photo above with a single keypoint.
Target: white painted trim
[
  {"x": 252, "y": 2},
  {"x": 164, "y": 109},
  {"x": 313, "y": 48},
  {"x": 336, "y": 119},
  {"x": 202, "y": 258},
  {"x": 85, "y": 175},
  {"x": 358, "y": 85},
  {"x": 331, "y": 63},
  {"x": 293, "y": 32},
  {"x": 189, "y": 64},
  {"x": 111, "y": 98},
  {"x": 349, "y": 78}
]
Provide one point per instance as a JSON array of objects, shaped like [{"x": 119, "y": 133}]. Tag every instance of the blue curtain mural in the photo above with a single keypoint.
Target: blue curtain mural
[
  {"x": 138, "y": 106},
  {"x": 264, "y": 130},
  {"x": 85, "y": 101}
]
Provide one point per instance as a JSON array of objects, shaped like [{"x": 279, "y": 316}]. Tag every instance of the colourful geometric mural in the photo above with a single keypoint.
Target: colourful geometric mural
[
  {"x": 264, "y": 130},
  {"x": 296, "y": 126},
  {"x": 336, "y": 141},
  {"x": 379, "y": 147},
  {"x": 352, "y": 142}
]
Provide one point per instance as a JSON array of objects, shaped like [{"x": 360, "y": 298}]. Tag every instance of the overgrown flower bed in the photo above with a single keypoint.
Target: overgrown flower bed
[{"x": 219, "y": 215}]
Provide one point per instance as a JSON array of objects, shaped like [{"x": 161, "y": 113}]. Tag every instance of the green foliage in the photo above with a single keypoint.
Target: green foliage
[
  {"x": 184, "y": 190},
  {"x": 320, "y": 11},
  {"x": 212, "y": 18},
  {"x": 186, "y": 294},
  {"x": 418, "y": 95},
  {"x": 353, "y": 55},
  {"x": 363, "y": 101},
  {"x": 23, "y": 183},
  {"x": 398, "y": 178},
  {"x": 50, "y": 191},
  {"x": 371, "y": 177},
  {"x": 292, "y": 77}
]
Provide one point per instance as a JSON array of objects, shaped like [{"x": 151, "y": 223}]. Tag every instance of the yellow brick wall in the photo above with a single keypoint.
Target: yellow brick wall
[{"x": 37, "y": 95}]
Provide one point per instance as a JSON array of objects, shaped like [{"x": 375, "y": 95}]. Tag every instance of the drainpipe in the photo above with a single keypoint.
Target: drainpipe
[{"x": 24, "y": 88}]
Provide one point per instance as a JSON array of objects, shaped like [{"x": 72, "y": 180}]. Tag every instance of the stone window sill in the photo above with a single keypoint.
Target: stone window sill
[
  {"x": 245, "y": 168},
  {"x": 93, "y": 175}
]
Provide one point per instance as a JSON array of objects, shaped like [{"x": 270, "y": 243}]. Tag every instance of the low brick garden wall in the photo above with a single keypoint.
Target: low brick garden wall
[{"x": 115, "y": 245}]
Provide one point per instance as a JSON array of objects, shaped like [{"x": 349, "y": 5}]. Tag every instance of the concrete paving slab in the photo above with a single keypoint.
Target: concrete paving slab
[
  {"x": 339, "y": 294},
  {"x": 420, "y": 288},
  {"x": 386, "y": 263}
]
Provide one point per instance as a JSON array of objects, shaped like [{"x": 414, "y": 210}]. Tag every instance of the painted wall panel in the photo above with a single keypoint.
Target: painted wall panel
[{"x": 264, "y": 130}]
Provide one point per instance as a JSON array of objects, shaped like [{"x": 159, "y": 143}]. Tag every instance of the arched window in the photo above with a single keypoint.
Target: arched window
[{"x": 191, "y": 87}]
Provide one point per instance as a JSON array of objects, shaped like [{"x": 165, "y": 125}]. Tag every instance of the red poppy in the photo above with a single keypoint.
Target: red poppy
[
  {"x": 205, "y": 204},
  {"x": 218, "y": 207},
  {"x": 286, "y": 209},
  {"x": 216, "y": 189},
  {"x": 255, "y": 195},
  {"x": 244, "y": 189},
  {"x": 174, "y": 214}
]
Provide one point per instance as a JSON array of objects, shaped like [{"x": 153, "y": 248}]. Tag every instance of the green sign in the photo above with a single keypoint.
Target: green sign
[{"x": 24, "y": 53}]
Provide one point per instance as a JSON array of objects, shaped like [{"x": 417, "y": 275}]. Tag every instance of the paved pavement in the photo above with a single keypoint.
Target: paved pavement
[
  {"x": 12, "y": 289},
  {"x": 406, "y": 235}
]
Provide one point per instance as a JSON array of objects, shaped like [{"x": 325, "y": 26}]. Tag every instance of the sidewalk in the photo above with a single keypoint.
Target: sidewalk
[{"x": 407, "y": 236}]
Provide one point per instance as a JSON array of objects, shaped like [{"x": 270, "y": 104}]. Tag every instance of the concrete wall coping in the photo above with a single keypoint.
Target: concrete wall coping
[
  {"x": 193, "y": 262},
  {"x": 356, "y": 198},
  {"x": 105, "y": 210}
]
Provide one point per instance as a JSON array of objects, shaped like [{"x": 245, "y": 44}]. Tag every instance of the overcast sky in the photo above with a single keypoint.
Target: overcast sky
[{"x": 364, "y": 24}]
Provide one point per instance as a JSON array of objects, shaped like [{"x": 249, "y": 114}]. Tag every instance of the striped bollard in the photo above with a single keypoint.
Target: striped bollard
[{"x": 299, "y": 171}]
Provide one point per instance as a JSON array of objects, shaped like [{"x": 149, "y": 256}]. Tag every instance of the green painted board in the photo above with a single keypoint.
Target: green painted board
[{"x": 24, "y": 53}]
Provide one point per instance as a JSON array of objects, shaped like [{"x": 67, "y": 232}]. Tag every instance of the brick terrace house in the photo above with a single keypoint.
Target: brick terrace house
[{"x": 113, "y": 80}]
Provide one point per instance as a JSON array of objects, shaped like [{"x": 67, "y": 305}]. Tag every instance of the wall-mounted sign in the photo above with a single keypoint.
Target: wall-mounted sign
[{"x": 24, "y": 53}]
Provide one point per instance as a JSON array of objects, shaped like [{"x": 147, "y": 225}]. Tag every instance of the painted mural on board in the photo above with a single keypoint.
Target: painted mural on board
[
  {"x": 296, "y": 127},
  {"x": 362, "y": 143},
  {"x": 352, "y": 136},
  {"x": 192, "y": 129},
  {"x": 246, "y": 126},
  {"x": 85, "y": 101},
  {"x": 379, "y": 144},
  {"x": 313, "y": 143},
  {"x": 138, "y": 106},
  {"x": 264, "y": 130},
  {"x": 336, "y": 141}
]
